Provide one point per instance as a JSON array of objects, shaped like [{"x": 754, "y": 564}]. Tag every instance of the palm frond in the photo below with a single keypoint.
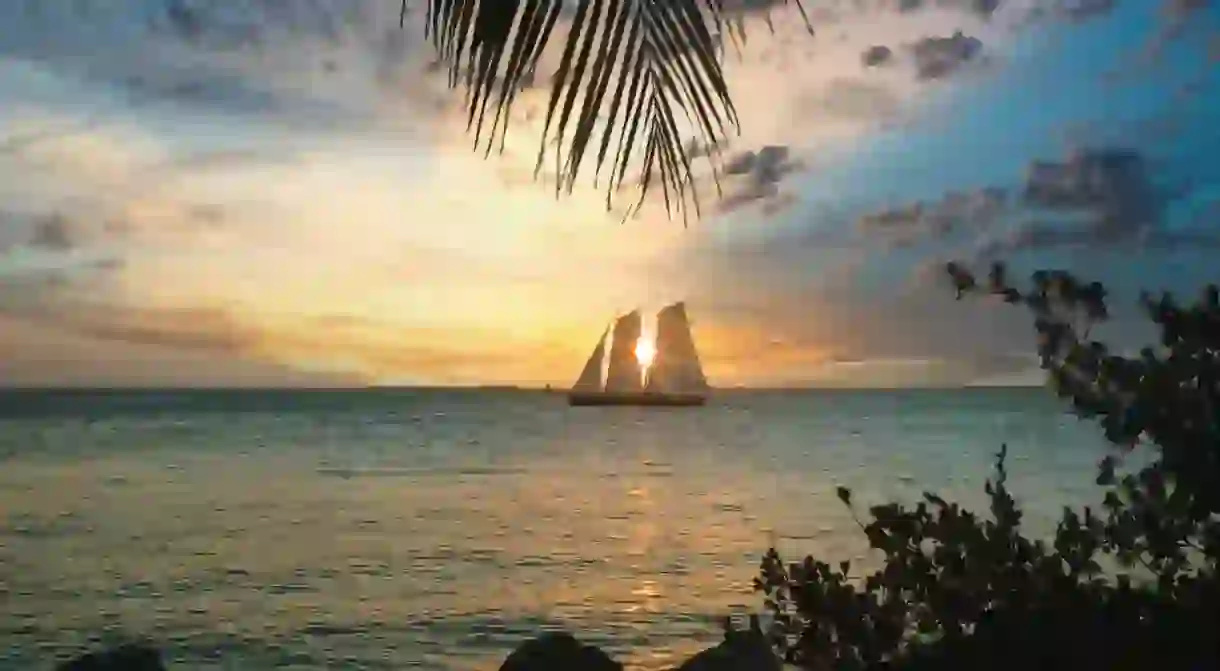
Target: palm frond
[{"x": 645, "y": 72}]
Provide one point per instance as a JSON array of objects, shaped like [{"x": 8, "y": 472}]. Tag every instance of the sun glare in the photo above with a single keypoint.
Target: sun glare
[{"x": 645, "y": 351}]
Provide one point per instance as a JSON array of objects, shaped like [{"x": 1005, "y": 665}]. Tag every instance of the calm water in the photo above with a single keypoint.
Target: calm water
[{"x": 436, "y": 529}]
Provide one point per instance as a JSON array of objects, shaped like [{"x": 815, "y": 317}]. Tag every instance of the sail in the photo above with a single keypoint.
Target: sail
[
  {"x": 591, "y": 376},
  {"x": 624, "y": 371},
  {"x": 676, "y": 367}
]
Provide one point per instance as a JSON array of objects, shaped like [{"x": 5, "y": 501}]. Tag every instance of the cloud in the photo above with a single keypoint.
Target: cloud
[
  {"x": 806, "y": 93},
  {"x": 193, "y": 328},
  {"x": 100, "y": 154},
  {"x": 307, "y": 62},
  {"x": 291, "y": 183},
  {"x": 1081, "y": 10},
  {"x": 1189, "y": 23},
  {"x": 40, "y": 253},
  {"x": 1094, "y": 200},
  {"x": 936, "y": 57},
  {"x": 1179, "y": 11},
  {"x": 960, "y": 192},
  {"x": 242, "y": 254},
  {"x": 752, "y": 176},
  {"x": 37, "y": 355},
  {"x": 876, "y": 55},
  {"x": 1103, "y": 197},
  {"x": 23, "y": 139},
  {"x": 1180, "y": 19},
  {"x": 52, "y": 233},
  {"x": 369, "y": 347},
  {"x": 372, "y": 350},
  {"x": 973, "y": 211},
  {"x": 848, "y": 335}
]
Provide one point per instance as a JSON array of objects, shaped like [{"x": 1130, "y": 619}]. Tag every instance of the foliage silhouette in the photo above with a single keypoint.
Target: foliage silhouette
[
  {"x": 970, "y": 591},
  {"x": 660, "y": 61}
]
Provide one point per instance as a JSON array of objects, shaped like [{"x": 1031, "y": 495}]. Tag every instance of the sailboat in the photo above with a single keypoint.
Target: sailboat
[{"x": 674, "y": 378}]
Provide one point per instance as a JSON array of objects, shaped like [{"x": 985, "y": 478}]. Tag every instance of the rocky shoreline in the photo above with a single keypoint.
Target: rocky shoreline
[{"x": 741, "y": 650}]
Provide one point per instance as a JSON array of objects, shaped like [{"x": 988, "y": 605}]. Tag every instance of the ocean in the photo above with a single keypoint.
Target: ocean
[{"x": 436, "y": 529}]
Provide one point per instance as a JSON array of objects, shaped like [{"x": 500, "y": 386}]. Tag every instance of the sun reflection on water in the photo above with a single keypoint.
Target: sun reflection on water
[{"x": 375, "y": 537}]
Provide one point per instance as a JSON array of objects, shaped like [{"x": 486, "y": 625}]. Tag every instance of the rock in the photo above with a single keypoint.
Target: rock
[
  {"x": 123, "y": 658},
  {"x": 746, "y": 650},
  {"x": 558, "y": 651}
]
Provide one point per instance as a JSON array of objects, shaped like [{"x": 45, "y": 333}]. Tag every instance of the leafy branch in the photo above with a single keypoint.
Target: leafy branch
[
  {"x": 646, "y": 71},
  {"x": 964, "y": 591}
]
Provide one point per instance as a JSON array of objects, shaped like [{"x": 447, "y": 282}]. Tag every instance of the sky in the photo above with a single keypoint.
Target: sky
[{"x": 253, "y": 192}]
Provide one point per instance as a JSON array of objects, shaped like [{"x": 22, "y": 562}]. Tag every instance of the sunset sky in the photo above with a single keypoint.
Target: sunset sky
[{"x": 283, "y": 194}]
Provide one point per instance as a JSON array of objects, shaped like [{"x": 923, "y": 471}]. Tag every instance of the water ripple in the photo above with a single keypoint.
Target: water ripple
[{"x": 436, "y": 531}]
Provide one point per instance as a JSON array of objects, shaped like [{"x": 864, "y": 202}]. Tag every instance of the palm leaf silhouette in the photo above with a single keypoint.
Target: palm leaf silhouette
[{"x": 636, "y": 78}]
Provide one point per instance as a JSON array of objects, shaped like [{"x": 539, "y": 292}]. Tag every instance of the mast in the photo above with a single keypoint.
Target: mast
[
  {"x": 676, "y": 367},
  {"x": 624, "y": 371},
  {"x": 591, "y": 375}
]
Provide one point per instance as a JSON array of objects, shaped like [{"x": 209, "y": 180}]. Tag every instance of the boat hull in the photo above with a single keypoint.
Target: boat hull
[{"x": 641, "y": 398}]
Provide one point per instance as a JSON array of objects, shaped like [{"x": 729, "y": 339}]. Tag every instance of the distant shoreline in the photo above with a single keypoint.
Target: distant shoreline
[{"x": 472, "y": 388}]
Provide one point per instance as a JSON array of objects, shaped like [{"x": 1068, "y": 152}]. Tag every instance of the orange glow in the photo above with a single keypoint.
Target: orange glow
[{"x": 645, "y": 351}]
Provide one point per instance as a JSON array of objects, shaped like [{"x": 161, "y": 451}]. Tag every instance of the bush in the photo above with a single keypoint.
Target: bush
[{"x": 961, "y": 590}]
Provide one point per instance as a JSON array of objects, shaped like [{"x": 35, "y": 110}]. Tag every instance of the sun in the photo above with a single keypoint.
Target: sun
[{"x": 645, "y": 351}]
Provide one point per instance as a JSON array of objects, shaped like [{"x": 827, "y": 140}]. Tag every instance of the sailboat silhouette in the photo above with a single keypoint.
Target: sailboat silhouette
[{"x": 675, "y": 377}]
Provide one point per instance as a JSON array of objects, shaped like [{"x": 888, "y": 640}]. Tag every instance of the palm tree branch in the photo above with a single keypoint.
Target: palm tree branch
[
  {"x": 533, "y": 23},
  {"x": 573, "y": 88},
  {"x": 701, "y": 101},
  {"x": 660, "y": 54},
  {"x": 629, "y": 58},
  {"x": 595, "y": 93}
]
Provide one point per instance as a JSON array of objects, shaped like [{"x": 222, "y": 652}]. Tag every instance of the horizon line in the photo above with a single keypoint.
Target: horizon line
[{"x": 480, "y": 387}]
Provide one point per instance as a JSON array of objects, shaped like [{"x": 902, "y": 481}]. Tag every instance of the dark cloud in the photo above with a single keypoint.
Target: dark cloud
[
  {"x": 52, "y": 233},
  {"x": 1083, "y": 10},
  {"x": 198, "y": 53},
  {"x": 33, "y": 293},
  {"x": 251, "y": 23},
  {"x": 229, "y": 158},
  {"x": 936, "y": 57},
  {"x": 15, "y": 144},
  {"x": 204, "y": 87},
  {"x": 1114, "y": 181},
  {"x": 186, "y": 328},
  {"x": 876, "y": 55},
  {"x": 209, "y": 215},
  {"x": 743, "y": 6},
  {"x": 768, "y": 164},
  {"x": 853, "y": 324},
  {"x": 53, "y": 358},
  {"x": 855, "y": 100},
  {"x": 64, "y": 266},
  {"x": 1178, "y": 17},
  {"x": 1179, "y": 21},
  {"x": 975, "y": 211},
  {"x": 1107, "y": 192},
  {"x": 1182, "y": 10},
  {"x": 696, "y": 148},
  {"x": 223, "y": 25},
  {"x": 984, "y": 8},
  {"x": 754, "y": 176},
  {"x": 1097, "y": 198}
]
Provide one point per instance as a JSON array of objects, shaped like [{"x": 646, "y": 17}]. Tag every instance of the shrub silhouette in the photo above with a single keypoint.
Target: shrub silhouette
[{"x": 960, "y": 590}]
